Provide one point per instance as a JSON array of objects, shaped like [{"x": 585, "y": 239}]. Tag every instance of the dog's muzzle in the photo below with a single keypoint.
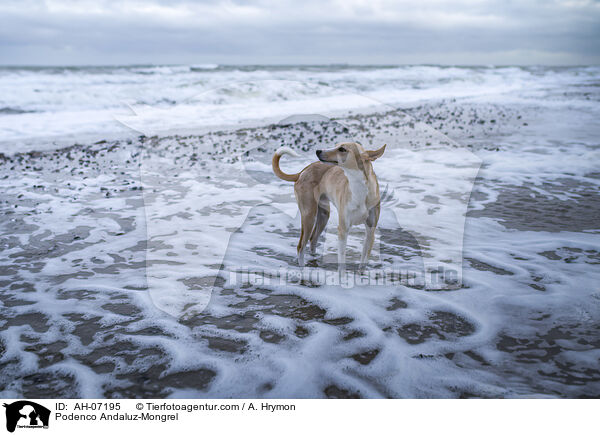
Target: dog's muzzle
[{"x": 319, "y": 154}]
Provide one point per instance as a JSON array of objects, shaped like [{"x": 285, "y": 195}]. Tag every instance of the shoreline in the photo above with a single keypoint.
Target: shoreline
[{"x": 351, "y": 117}]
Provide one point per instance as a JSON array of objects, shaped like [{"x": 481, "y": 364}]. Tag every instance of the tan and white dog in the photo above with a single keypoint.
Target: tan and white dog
[{"x": 344, "y": 175}]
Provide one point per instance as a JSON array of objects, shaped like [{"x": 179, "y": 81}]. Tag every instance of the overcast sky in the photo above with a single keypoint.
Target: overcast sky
[{"x": 102, "y": 32}]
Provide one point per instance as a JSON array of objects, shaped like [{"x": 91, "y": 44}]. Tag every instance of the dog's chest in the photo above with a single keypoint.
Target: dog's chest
[{"x": 356, "y": 208}]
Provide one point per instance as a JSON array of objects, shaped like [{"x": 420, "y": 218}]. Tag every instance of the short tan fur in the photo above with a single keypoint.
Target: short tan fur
[{"x": 344, "y": 176}]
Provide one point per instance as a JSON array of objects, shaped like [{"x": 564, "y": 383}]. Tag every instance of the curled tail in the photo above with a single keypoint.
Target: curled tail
[{"x": 275, "y": 162}]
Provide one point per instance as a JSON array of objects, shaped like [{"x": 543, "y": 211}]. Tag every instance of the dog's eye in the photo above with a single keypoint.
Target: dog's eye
[{"x": 342, "y": 149}]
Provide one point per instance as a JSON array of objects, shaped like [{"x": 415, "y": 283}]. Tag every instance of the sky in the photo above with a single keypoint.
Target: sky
[{"x": 468, "y": 32}]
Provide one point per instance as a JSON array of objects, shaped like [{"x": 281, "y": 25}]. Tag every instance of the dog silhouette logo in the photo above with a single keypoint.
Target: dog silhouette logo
[{"x": 26, "y": 414}]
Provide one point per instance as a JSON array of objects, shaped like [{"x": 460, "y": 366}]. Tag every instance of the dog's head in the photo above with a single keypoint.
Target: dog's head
[{"x": 350, "y": 155}]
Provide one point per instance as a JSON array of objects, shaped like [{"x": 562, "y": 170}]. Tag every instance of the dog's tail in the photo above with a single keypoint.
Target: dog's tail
[{"x": 275, "y": 162}]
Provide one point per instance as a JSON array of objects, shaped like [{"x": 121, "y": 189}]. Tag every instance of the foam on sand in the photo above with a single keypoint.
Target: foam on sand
[{"x": 103, "y": 269}]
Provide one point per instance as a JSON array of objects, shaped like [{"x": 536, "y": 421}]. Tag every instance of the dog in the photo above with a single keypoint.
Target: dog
[{"x": 343, "y": 175}]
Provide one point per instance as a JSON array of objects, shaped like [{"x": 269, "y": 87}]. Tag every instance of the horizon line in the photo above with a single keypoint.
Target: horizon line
[{"x": 208, "y": 66}]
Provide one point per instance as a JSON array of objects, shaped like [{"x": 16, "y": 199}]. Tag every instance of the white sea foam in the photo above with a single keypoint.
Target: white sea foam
[{"x": 105, "y": 295}]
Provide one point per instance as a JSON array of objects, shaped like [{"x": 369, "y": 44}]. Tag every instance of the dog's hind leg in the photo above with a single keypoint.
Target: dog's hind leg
[
  {"x": 320, "y": 224},
  {"x": 367, "y": 246},
  {"x": 300, "y": 248},
  {"x": 308, "y": 221},
  {"x": 308, "y": 215}
]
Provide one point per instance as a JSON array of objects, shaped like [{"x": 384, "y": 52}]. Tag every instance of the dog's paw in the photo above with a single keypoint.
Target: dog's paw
[{"x": 301, "y": 259}]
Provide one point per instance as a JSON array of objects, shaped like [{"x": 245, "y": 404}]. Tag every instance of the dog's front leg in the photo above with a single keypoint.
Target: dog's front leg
[
  {"x": 301, "y": 258},
  {"x": 342, "y": 239}
]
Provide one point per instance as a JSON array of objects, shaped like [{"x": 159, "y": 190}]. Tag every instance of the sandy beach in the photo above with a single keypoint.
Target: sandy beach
[{"x": 150, "y": 265}]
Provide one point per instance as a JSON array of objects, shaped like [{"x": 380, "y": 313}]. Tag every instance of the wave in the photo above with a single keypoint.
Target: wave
[
  {"x": 79, "y": 101},
  {"x": 13, "y": 111},
  {"x": 204, "y": 67}
]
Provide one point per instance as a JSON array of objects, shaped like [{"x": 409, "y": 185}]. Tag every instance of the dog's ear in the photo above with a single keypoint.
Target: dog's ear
[{"x": 374, "y": 155}]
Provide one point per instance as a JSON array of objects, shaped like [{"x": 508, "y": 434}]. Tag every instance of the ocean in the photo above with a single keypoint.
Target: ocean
[{"x": 43, "y": 108}]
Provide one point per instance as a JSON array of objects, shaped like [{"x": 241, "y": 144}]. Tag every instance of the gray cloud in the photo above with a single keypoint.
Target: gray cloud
[{"x": 352, "y": 31}]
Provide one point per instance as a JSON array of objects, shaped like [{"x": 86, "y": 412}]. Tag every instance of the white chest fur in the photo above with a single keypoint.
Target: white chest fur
[{"x": 356, "y": 208}]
